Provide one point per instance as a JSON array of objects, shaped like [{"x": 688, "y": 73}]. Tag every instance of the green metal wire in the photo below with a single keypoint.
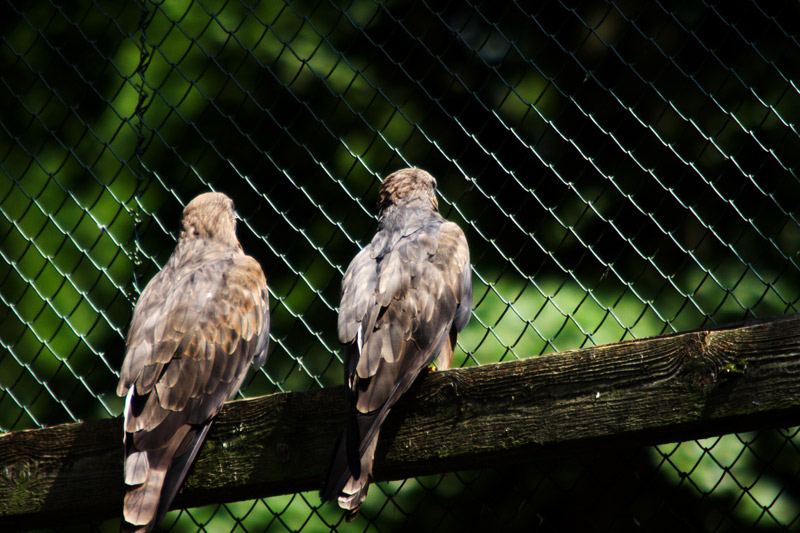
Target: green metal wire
[{"x": 621, "y": 170}]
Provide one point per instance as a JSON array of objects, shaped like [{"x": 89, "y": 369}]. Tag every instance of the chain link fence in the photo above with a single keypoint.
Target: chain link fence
[{"x": 621, "y": 170}]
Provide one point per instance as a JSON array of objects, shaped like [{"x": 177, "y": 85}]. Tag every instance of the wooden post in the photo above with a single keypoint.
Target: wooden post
[{"x": 649, "y": 391}]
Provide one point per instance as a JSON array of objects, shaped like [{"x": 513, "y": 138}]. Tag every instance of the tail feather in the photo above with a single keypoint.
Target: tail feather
[
  {"x": 136, "y": 467},
  {"x": 354, "y": 491},
  {"x": 180, "y": 467},
  {"x": 338, "y": 472},
  {"x": 141, "y": 502},
  {"x": 351, "y": 467},
  {"x": 127, "y": 527},
  {"x": 152, "y": 477},
  {"x": 348, "y": 482}
]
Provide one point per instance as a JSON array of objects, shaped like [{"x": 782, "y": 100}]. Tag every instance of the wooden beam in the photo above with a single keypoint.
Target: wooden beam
[{"x": 649, "y": 391}]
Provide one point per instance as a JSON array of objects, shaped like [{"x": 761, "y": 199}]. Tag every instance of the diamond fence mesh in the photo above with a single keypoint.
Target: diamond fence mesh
[{"x": 621, "y": 170}]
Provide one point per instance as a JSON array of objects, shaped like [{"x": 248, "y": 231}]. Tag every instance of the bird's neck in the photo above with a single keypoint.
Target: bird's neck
[
  {"x": 198, "y": 249},
  {"x": 409, "y": 208}
]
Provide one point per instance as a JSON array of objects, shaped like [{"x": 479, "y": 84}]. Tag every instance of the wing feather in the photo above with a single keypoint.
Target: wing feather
[
  {"x": 452, "y": 258},
  {"x": 403, "y": 298},
  {"x": 192, "y": 337}
]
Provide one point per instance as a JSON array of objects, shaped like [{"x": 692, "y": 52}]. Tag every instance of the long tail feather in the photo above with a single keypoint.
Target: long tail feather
[{"x": 153, "y": 477}]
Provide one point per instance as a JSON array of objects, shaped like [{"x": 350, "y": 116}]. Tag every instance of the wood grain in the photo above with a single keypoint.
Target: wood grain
[{"x": 649, "y": 391}]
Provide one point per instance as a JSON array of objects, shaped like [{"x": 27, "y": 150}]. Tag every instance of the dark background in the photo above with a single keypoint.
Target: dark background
[{"x": 621, "y": 171}]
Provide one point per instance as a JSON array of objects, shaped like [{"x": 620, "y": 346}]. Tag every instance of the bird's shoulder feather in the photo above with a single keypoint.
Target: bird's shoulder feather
[{"x": 193, "y": 334}]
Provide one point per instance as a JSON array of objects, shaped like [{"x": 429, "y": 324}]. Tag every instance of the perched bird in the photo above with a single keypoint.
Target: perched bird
[
  {"x": 405, "y": 297},
  {"x": 196, "y": 328}
]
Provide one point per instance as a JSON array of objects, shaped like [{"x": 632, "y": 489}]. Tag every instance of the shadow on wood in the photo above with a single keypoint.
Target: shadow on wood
[{"x": 624, "y": 395}]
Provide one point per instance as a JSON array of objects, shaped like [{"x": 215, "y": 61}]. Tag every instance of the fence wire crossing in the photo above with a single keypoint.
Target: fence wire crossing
[{"x": 621, "y": 170}]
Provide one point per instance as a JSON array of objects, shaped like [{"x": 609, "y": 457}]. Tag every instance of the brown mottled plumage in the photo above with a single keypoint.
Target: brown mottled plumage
[
  {"x": 195, "y": 329},
  {"x": 405, "y": 297}
]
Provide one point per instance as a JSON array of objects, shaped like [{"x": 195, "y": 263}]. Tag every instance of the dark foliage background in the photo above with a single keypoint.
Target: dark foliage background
[{"x": 621, "y": 170}]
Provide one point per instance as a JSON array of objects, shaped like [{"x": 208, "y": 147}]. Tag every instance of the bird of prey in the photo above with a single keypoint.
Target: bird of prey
[
  {"x": 405, "y": 297},
  {"x": 196, "y": 328}
]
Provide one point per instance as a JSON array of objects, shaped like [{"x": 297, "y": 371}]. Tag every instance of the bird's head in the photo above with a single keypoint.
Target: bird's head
[
  {"x": 210, "y": 216},
  {"x": 408, "y": 186}
]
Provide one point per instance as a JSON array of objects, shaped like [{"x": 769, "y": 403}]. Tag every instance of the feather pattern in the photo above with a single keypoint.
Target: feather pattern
[
  {"x": 196, "y": 328},
  {"x": 404, "y": 298}
]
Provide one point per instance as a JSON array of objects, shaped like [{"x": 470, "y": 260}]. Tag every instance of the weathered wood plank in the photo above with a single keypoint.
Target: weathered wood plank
[{"x": 648, "y": 391}]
